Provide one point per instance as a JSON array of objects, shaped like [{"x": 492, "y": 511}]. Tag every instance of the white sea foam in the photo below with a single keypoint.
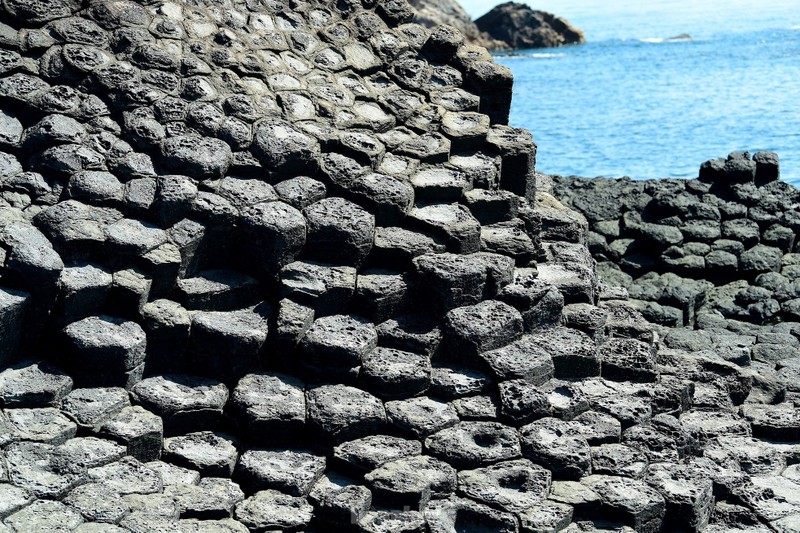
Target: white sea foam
[
  {"x": 652, "y": 40},
  {"x": 795, "y": 27},
  {"x": 545, "y": 55}
]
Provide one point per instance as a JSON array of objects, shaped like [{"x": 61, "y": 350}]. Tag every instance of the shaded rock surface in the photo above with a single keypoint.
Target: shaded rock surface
[
  {"x": 284, "y": 266},
  {"x": 519, "y": 26}
]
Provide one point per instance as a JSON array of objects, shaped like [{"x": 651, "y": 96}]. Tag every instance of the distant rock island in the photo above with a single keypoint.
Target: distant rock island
[
  {"x": 519, "y": 27},
  {"x": 508, "y": 26}
]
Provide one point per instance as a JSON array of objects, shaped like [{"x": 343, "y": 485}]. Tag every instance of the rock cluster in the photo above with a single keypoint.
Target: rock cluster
[
  {"x": 278, "y": 265},
  {"x": 692, "y": 251}
]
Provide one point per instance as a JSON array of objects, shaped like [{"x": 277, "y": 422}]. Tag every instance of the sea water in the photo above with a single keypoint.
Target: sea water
[{"x": 634, "y": 101}]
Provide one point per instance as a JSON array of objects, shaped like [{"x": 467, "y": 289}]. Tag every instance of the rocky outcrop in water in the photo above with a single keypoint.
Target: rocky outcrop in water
[
  {"x": 520, "y": 27},
  {"x": 283, "y": 266}
]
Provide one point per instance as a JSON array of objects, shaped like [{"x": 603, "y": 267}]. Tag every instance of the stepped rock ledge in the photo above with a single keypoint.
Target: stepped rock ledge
[{"x": 283, "y": 265}]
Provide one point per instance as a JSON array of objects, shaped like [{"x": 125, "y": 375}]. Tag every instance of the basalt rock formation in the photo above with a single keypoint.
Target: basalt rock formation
[
  {"x": 282, "y": 265},
  {"x": 432, "y": 13},
  {"x": 520, "y": 27}
]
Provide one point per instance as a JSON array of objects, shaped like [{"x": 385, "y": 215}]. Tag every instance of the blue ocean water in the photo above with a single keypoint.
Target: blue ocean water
[{"x": 633, "y": 102}]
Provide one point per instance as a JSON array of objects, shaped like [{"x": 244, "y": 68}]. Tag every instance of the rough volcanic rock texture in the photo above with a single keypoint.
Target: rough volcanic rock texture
[
  {"x": 520, "y": 26},
  {"x": 432, "y": 13},
  {"x": 282, "y": 266}
]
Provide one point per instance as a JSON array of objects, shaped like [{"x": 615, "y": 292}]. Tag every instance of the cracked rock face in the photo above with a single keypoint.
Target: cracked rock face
[{"x": 283, "y": 265}]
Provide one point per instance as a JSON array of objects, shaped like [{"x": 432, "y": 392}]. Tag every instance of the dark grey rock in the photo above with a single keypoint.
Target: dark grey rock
[
  {"x": 547, "y": 442},
  {"x": 628, "y": 360},
  {"x": 199, "y": 157},
  {"x": 241, "y": 334},
  {"x": 450, "y": 280},
  {"x": 173, "y": 199},
  {"x": 12, "y": 311},
  {"x": 491, "y": 206},
  {"x": 327, "y": 288},
  {"x": 144, "y": 522},
  {"x": 134, "y": 237},
  {"x": 630, "y": 501},
  {"x": 301, "y": 192},
  {"x": 456, "y": 381},
  {"x": 619, "y": 460},
  {"x": 688, "y": 494},
  {"x": 540, "y": 302},
  {"x": 288, "y": 471},
  {"x": 522, "y": 359},
  {"x": 210, "y": 453},
  {"x": 382, "y": 294},
  {"x": 13, "y": 499},
  {"x": 44, "y": 515},
  {"x": 474, "y": 444},
  {"x": 92, "y": 407},
  {"x": 351, "y": 504},
  {"x": 130, "y": 290},
  {"x": 410, "y": 333},
  {"x": 741, "y": 230},
  {"x": 514, "y": 486},
  {"x": 390, "y": 199},
  {"x": 270, "y": 509},
  {"x": 127, "y": 476},
  {"x": 33, "y": 384},
  {"x": 158, "y": 504},
  {"x": 31, "y": 259},
  {"x": 574, "y": 353},
  {"x": 81, "y": 453},
  {"x": 337, "y": 343},
  {"x": 42, "y": 424},
  {"x": 397, "y": 247},
  {"x": 31, "y": 467},
  {"x": 339, "y": 231},
  {"x": 420, "y": 417},
  {"x": 477, "y": 408},
  {"x": 779, "y": 422},
  {"x": 391, "y": 373},
  {"x": 522, "y": 402},
  {"x": 364, "y": 455},
  {"x": 96, "y": 188},
  {"x": 138, "y": 429},
  {"x": 597, "y": 428},
  {"x": 545, "y": 517},
  {"x": 172, "y": 475},
  {"x": 761, "y": 258},
  {"x": 472, "y": 330},
  {"x": 439, "y": 184},
  {"x": 167, "y": 326},
  {"x": 410, "y": 482},
  {"x": 212, "y": 499},
  {"x": 183, "y": 402},
  {"x": 339, "y": 413},
  {"x": 271, "y": 406},
  {"x": 105, "y": 347},
  {"x": 283, "y": 148},
  {"x": 96, "y": 504},
  {"x": 499, "y": 272},
  {"x": 275, "y": 232},
  {"x": 449, "y": 514},
  {"x": 452, "y": 223},
  {"x": 428, "y": 147},
  {"x": 217, "y": 290}
]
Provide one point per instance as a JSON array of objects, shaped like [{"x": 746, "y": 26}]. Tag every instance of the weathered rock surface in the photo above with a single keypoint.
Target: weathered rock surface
[{"x": 285, "y": 266}]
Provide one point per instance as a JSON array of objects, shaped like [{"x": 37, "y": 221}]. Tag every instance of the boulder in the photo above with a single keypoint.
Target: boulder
[{"x": 519, "y": 27}]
